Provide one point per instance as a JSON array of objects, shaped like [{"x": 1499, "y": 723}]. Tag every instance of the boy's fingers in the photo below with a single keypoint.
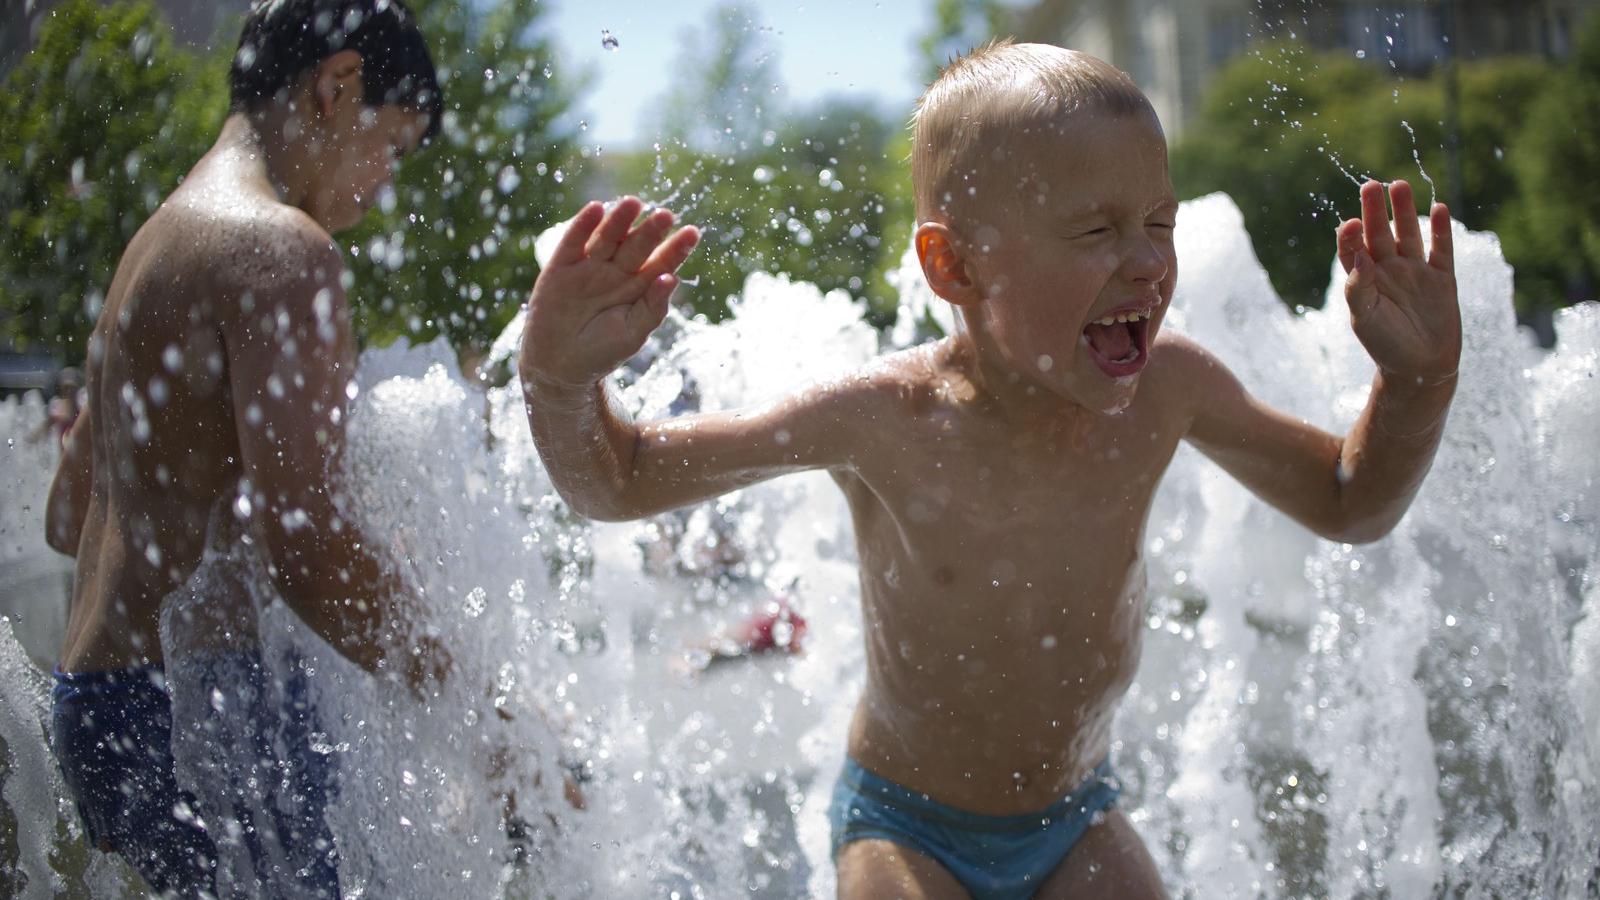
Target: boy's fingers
[
  {"x": 1443, "y": 254},
  {"x": 659, "y": 291},
  {"x": 1359, "y": 290},
  {"x": 649, "y": 310},
  {"x": 1348, "y": 238},
  {"x": 672, "y": 252},
  {"x": 570, "y": 248},
  {"x": 613, "y": 229},
  {"x": 1375, "y": 221},
  {"x": 644, "y": 239},
  {"x": 1406, "y": 228}
]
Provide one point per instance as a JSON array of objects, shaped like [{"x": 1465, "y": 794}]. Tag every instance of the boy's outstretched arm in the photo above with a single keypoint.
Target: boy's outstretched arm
[
  {"x": 594, "y": 304},
  {"x": 1403, "y": 309}
]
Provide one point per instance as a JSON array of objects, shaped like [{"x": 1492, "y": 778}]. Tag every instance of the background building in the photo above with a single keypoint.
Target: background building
[{"x": 1172, "y": 47}]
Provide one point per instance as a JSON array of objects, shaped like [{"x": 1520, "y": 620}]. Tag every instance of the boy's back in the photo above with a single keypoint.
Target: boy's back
[
  {"x": 217, "y": 391},
  {"x": 160, "y": 415}
]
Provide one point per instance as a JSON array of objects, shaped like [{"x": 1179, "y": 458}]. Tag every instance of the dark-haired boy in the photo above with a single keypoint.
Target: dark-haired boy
[{"x": 217, "y": 379}]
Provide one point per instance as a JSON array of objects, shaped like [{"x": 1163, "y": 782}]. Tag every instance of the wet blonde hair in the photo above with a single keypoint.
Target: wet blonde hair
[{"x": 984, "y": 98}]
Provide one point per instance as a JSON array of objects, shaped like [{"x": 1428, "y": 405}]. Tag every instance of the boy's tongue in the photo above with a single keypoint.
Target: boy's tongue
[{"x": 1111, "y": 341}]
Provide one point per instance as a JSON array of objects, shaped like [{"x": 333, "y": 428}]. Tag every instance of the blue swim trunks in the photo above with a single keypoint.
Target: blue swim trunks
[
  {"x": 112, "y": 732},
  {"x": 994, "y": 857}
]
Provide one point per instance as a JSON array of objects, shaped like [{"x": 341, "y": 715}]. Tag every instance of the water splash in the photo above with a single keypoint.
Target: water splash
[
  {"x": 1414, "y": 717},
  {"x": 1416, "y": 155}
]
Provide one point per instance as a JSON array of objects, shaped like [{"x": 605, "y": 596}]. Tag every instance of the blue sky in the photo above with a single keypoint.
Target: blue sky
[{"x": 824, "y": 47}]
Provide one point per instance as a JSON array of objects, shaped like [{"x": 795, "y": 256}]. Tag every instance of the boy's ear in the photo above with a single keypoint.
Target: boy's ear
[
  {"x": 336, "y": 78},
  {"x": 942, "y": 264}
]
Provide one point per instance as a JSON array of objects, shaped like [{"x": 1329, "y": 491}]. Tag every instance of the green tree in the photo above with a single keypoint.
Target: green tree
[
  {"x": 819, "y": 193},
  {"x": 959, "y": 26},
  {"x": 103, "y": 118},
  {"x": 97, "y": 124},
  {"x": 729, "y": 94},
  {"x": 1273, "y": 137},
  {"x": 1551, "y": 229},
  {"x": 1286, "y": 133},
  {"x": 453, "y": 255}
]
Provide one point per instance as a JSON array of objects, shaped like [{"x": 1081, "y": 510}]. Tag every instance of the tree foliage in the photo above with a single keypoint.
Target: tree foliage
[
  {"x": 1551, "y": 226},
  {"x": 1287, "y": 133},
  {"x": 820, "y": 193},
  {"x": 97, "y": 124},
  {"x": 105, "y": 115},
  {"x": 454, "y": 253},
  {"x": 957, "y": 27}
]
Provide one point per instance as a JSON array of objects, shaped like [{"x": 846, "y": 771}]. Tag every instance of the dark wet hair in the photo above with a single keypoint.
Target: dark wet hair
[{"x": 284, "y": 38}]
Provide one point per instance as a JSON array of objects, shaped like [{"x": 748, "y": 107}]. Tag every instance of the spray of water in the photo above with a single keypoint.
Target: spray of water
[{"x": 1416, "y": 717}]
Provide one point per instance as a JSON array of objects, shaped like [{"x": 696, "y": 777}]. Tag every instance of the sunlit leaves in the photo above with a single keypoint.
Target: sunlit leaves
[
  {"x": 1283, "y": 130},
  {"x": 97, "y": 123},
  {"x": 820, "y": 193},
  {"x": 454, "y": 256}
]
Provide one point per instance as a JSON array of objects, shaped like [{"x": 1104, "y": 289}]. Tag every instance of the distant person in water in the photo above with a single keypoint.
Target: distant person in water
[
  {"x": 217, "y": 385},
  {"x": 64, "y": 406},
  {"x": 1000, "y": 479}
]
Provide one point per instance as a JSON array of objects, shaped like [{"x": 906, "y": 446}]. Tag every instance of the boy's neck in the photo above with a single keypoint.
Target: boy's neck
[
  {"x": 1009, "y": 393},
  {"x": 275, "y": 142}
]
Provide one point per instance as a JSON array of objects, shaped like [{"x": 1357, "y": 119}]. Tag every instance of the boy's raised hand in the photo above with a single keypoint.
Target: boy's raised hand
[
  {"x": 1402, "y": 301},
  {"x": 602, "y": 293}
]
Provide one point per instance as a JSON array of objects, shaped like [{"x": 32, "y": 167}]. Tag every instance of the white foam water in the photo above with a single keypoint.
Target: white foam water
[{"x": 1414, "y": 717}]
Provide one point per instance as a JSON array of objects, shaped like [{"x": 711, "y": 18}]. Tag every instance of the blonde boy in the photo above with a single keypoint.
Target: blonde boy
[{"x": 999, "y": 480}]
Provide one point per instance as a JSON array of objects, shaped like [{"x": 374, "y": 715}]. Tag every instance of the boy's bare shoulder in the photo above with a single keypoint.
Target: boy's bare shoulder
[
  {"x": 905, "y": 382},
  {"x": 1183, "y": 373},
  {"x": 249, "y": 242},
  {"x": 1180, "y": 359},
  {"x": 280, "y": 247}
]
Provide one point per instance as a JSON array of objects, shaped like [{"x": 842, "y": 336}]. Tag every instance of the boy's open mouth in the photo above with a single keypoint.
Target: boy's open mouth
[{"x": 1119, "y": 343}]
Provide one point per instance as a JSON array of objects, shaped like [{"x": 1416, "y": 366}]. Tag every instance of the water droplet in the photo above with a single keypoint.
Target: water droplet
[
  {"x": 609, "y": 40},
  {"x": 763, "y": 174},
  {"x": 1361, "y": 54}
]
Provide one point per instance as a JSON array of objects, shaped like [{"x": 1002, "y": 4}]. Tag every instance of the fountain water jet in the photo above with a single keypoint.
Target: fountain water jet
[{"x": 1416, "y": 716}]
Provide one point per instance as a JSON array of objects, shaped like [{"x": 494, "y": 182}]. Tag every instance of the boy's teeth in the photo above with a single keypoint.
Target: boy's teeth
[
  {"x": 1108, "y": 320},
  {"x": 1121, "y": 318}
]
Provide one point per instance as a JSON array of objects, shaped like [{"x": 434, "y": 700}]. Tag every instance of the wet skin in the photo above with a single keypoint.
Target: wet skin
[
  {"x": 223, "y": 353},
  {"x": 1000, "y": 503}
]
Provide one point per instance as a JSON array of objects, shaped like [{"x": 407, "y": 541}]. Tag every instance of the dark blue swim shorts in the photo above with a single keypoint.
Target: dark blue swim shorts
[{"x": 112, "y": 732}]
